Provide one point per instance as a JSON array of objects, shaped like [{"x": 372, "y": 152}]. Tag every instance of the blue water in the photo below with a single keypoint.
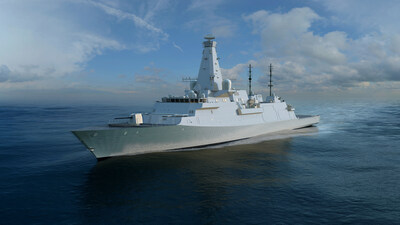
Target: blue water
[{"x": 345, "y": 171}]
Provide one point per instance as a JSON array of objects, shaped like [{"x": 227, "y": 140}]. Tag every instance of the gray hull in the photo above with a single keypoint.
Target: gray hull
[{"x": 109, "y": 142}]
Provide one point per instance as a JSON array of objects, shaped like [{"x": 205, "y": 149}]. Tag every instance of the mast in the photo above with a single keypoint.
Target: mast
[
  {"x": 209, "y": 77},
  {"x": 270, "y": 80},
  {"x": 250, "y": 93}
]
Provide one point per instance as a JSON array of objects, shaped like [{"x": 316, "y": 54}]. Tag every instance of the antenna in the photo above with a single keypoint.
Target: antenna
[
  {"x": 209, "y": 37},
  {"x": 188, "y": 79},
  {"x": 192, "y": 81},
  {"x": 250, "y": 93},
  {"x": 270, "y": 80}
]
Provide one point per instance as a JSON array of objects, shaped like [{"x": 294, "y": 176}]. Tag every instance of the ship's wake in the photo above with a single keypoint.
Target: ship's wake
[{"x": 307, "y": 131}]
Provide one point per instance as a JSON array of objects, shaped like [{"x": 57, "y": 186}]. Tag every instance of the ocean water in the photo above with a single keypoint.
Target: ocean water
[{"x": 344, "y": 171}]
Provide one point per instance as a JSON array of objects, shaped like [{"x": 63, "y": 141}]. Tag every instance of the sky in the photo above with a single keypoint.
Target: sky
[{"x": 135, "y": 52}]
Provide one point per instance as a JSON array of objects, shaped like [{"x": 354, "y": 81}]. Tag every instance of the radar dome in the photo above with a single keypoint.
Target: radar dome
[{"x": 227, "y": 84}]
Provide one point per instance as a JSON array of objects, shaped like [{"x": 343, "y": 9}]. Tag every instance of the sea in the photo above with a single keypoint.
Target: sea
[{"x": 345, "y": 170}]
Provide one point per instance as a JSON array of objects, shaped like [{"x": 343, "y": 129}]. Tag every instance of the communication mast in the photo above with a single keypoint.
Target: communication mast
[
  {"x": 270, "y": 80},
  {"x": 250, "y": 93}
]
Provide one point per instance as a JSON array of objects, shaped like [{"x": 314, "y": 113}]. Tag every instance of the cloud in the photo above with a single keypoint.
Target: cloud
[
  {"x": 235, "y": 72},
  {"x": 58, "y": 40},
  {"x": 288, "y": 34},
  {"x": 223, "y": 28},
  {"x": 154, "y": 82},
  {"x": 152, "y": 76},
  {"x": 207, "y": 18},
  {"x": 275, "y": 25},
  {"x": 148, "y": 79},
  {"x": 365, "y": 16},
  {"x": 177, "y": 46},
  {"x": 49, "y": 44},
  {"x": 205, "y": 5},
  {"x": 155, "y": 7},
  {"x": 5, "y": 73},
  {"x": 132, "y": 17},
  {"x": 304, "y": 59},
  {"x": 149, "y": 37}
]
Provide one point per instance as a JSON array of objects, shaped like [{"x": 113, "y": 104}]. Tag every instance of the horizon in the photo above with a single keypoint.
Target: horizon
[{"x": 122, "y": 52}]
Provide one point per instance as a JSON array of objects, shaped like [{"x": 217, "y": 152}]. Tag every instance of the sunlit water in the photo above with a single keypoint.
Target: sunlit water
[{"x": 345, "y": 170}]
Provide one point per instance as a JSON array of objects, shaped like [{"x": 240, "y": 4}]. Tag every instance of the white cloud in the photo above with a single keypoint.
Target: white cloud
[
  {"x": 209, "y": 20},
  {"x": 365, "y": 15},
  {"x": 206, "y": 5},
  {"x": 177, "y": 46},
  {"x": 148, "y": 37},
  {"x": 155, "y": 7},
  {"x": 5, "y": 73},
  {"x": 130, "y": 16},
  {"x": 288, "y": 34},
  {"x": 235, "y": 72},
  {"x": 277, "y": 25},
  {"x": 45, "y": 39},
  {"x": 154, "y": 83},
  {"x": 224, "y": 29},
  {"x": 37, "y": 42},
  {"x": 149, "y": 79},
  {"x": 322, "y": 61}
]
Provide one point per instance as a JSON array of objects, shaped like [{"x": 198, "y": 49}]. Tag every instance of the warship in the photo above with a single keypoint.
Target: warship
[{"x": 210, "y": 112}]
